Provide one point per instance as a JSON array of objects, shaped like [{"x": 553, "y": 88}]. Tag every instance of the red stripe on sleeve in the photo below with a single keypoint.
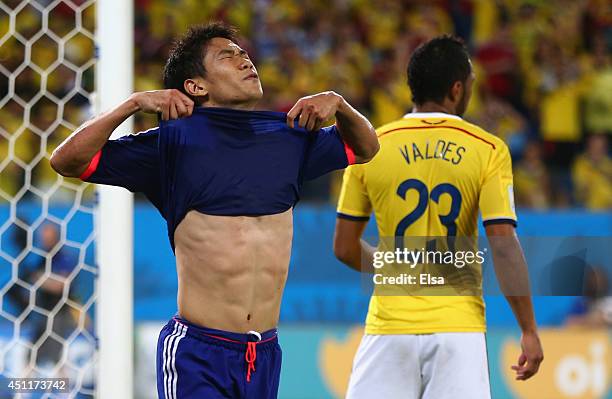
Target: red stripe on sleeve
[
  {"x": 350, "y": 155},
  {"x": 93, "y": 165}
]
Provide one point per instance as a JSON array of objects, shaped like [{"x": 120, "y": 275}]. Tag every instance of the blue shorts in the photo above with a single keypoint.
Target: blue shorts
[{"x": 198, "y": 362}]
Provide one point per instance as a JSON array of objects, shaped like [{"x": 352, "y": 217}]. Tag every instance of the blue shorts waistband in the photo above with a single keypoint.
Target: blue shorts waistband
[{"x": 228, "y": 337}]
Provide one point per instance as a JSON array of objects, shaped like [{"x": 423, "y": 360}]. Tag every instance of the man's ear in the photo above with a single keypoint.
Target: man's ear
[
  {"x": 195, "y": 87},
  {"x": 456, "y": 91}
]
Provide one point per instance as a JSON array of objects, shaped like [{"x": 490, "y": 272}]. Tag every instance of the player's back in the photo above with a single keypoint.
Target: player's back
[
  {"x": 428, "y": 175},
  {"x": 432, "y": 175}
]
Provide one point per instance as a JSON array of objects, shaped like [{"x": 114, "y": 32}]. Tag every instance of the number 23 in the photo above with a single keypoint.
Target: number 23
[{"x": 447, "y": 220}]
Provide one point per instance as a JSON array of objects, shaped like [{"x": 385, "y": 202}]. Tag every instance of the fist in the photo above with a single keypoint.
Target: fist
[
  {"x": 314, "y": 110},
  {"x": 170, "y": 103}
]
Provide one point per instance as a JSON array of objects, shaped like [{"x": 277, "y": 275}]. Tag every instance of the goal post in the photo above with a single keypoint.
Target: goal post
[{"x": 114, "y": 216}]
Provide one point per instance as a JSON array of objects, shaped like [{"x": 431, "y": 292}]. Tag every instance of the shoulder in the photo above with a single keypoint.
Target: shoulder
[
  {"x": 386, "y": 129},
  {"x": 580, "y": 161},
  {"x": 481, "y": 134}
]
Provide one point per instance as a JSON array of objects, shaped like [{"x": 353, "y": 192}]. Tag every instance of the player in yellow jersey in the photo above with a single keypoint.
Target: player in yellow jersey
[{"x": 432, "y": 175}]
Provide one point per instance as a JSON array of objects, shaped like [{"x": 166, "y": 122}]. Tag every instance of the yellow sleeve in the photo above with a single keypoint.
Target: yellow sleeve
[
  {"x": 497, "y": 192},
  {"x": 354, "y": 202}
]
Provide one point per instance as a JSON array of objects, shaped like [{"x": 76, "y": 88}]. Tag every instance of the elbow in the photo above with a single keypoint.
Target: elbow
[
  {"x": 369, "y": 150},
  {"x": 342, "y": 252},
  {"x": 341, "y": 256},
  {"x": 373, "y": 149},
  {"x": 58, "y": 164},
  {"x": 344, "y": 258}
]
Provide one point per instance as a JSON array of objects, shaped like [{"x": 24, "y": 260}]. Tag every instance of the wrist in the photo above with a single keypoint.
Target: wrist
[
  {"x": 342, "y": 106},
  {"x": 132, "y": 103},
  {"x": 530, "y": 331}
]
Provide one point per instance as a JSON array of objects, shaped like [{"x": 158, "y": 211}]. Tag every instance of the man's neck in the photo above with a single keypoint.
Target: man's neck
[
  {"x": 246, "y": 106},
  {"x": 430, "y": 106}
]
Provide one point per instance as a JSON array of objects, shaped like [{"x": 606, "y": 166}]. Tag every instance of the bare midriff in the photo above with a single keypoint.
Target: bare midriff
[{"x": 232, "y": 269}]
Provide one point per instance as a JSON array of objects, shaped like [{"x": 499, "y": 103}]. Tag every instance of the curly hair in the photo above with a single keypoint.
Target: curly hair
[
  {"x": 186, "y": 57},
  {"x": 435, "y": 66}
]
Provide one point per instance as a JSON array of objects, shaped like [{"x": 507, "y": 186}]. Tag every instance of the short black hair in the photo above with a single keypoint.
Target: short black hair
[
  {"x": 435, "y": 66},
  {"x": 186, "y": 58}
]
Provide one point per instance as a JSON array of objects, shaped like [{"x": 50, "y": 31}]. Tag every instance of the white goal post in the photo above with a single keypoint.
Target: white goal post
[{"x": 114, "y": 216}]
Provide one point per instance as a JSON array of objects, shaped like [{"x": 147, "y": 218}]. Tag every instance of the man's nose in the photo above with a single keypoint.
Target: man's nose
[{"x": 245, "y": 64}]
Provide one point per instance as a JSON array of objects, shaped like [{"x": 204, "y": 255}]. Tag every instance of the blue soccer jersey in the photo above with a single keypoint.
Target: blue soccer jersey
[{"x": 220, "y": 162}]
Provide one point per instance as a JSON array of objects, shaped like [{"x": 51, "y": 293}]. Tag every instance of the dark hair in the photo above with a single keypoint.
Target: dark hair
[
  {"x": 435, "y": 66},
  {"x": 186, "y": 58}
]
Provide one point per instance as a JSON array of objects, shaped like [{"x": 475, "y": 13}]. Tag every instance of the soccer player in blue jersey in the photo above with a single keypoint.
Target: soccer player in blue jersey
[{"x": 225, "y": 178}]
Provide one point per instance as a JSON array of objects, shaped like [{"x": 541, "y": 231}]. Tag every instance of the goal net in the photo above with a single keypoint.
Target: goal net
[{"x": 47, "y": 268}]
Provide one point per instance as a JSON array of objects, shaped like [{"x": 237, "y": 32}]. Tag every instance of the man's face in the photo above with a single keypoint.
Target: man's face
[
  {"x": 597, "y": 147},
  {"x": 231, "y": 78}
]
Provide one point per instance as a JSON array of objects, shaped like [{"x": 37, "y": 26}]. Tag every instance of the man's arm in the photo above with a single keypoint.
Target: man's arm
[
  {"x": 511, "y": 271},
  {"x": 74, "y": 154},
  {"x": 350, "y": 248},
  {"x": 356, "y": 131}
]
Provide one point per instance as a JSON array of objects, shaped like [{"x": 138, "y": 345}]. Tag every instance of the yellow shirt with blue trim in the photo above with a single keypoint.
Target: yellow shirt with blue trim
[{"x": 432, "y": 175}]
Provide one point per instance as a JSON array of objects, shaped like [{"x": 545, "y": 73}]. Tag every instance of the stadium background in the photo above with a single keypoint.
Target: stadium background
[{"x": 544, "y": 84}]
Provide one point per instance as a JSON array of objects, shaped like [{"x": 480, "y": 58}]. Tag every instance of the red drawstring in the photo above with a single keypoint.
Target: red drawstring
[{"x": 250, "y": 356}]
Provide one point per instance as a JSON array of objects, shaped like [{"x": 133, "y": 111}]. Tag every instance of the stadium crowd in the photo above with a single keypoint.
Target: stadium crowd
[{"x": 544, "y": 76}]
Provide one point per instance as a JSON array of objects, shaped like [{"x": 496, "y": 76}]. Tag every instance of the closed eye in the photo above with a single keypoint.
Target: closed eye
[
  {"x": 228, "y": 53},
  {"x": 223, "y": 54}
]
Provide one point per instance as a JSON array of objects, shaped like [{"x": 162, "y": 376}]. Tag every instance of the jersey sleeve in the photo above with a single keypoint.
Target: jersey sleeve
[
  {"x": 326, "y": 152},
  {"x": 131, "y": 162},
  {"x": 354, "y": 203},
  {"x": 497, "y": 192}
]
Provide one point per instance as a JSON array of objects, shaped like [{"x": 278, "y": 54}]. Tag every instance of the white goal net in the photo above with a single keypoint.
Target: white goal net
[{"x": 47, "y": 271}]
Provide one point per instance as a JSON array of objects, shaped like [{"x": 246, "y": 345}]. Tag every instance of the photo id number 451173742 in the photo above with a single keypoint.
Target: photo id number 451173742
[{"x": 34, "y": 385}]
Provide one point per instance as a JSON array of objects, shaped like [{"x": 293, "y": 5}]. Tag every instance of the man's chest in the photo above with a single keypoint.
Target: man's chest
[
  {"x": 271, "y": 157},
  {"x": 253, "y": 173}
]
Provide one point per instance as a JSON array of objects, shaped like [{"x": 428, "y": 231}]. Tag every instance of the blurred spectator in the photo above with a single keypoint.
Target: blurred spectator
[
  {"x": 558, "y": 91},
  {"x": 594, "y": 309},
  {"x": 390, "y": 97},
  {"x": 592, "y": 174},
  {"x": 499, "y": 61},
  {"x": 17, "y": 296},
  {"x": 531, "y": 179},
  {"x": 50, "y": 298},
  {"x": 462, "y": 14},
  {"x": 598, "y": 96}
]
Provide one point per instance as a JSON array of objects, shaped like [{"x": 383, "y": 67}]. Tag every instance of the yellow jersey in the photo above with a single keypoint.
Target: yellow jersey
[{"x": 432, "y": 175}]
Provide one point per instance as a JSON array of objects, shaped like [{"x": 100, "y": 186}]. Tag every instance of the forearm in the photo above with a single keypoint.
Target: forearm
[
  {"x": 523, "y": 311},
  {"x": 357, "y": 132},
  {"x": 367, "y": 256},
  {"x": 358, "y": 256},
  {"x": 513, "y": 277},
  {"x": 74, "y": 154}
]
